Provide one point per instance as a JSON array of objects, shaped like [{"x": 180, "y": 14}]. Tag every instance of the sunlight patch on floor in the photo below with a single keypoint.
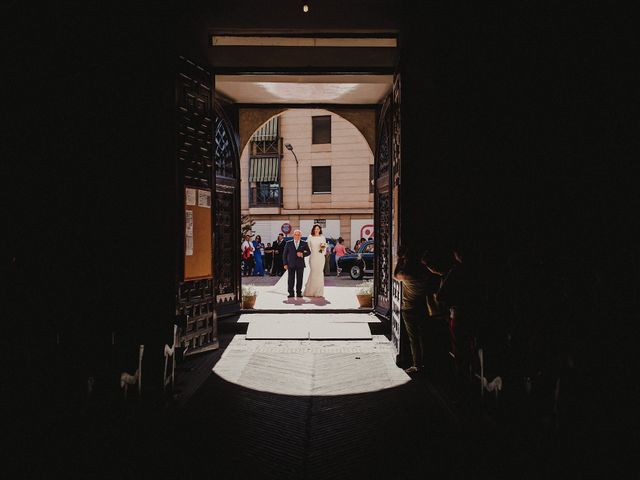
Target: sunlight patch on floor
[{"x": 311, "y": 367}]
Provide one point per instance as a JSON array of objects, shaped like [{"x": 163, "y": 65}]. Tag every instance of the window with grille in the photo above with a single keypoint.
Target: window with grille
[
  {"x": 321, "y": 179},
  {"x": 321, "y": 129}
]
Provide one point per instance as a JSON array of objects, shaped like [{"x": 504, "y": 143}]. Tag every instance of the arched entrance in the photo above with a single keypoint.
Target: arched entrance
[{"x": 279, "y": 190}]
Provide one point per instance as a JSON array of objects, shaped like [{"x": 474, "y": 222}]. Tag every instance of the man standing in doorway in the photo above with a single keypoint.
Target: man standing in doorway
[
  {"x": 293, "y": 261},
  {"x": 413, "y": 276}
]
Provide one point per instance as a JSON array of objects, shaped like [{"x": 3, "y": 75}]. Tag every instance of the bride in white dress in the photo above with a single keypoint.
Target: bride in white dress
[{"x": 318, "y": 245}]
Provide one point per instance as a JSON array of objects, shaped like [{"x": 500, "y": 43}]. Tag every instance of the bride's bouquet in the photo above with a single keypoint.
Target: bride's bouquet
[{"x": 322, "y": 247}]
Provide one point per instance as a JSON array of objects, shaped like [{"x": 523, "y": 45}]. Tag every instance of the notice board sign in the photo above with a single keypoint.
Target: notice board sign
[{"x": 198, "y": 248}]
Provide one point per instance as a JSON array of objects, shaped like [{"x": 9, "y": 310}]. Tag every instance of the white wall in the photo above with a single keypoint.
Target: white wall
[
  {"x": 348, "y": 155},
  {"x": 359, "y": 229},
  {"x": 268, "y": 229},
  {"x": 332, "y": 230}
]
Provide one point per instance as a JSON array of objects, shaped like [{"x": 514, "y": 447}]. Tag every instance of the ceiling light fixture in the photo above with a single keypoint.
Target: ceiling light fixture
[{"x": 305, "y": 8}]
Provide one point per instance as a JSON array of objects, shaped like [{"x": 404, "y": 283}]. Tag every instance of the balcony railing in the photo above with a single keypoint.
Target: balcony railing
[{"x": 265, "y": 196}]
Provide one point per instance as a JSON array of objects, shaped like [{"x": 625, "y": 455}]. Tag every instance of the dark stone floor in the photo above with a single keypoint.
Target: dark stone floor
[{"x": 216, "y": 429}]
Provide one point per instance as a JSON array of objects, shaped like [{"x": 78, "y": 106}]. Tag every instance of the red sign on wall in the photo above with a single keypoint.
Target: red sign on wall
[
  {"x": 367, "y": 232},
  {"x": 286, "y": 228}
]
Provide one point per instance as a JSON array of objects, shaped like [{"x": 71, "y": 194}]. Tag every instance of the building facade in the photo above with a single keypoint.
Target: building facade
[{"x": 306, "y": 166}]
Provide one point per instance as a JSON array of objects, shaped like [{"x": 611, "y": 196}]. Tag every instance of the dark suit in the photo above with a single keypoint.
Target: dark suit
[
  {"x": 277, "y": 257},
  {"x": 295, "y": 264}
]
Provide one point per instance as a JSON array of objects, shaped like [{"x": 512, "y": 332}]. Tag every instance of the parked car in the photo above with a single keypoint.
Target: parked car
[{"x": 360, "y": 263}]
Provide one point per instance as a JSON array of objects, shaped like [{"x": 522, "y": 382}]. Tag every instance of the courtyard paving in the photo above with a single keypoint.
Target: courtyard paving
[{"x": 340, "y": 294}]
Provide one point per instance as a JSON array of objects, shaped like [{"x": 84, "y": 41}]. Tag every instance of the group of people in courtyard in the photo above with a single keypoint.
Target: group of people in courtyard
[
  {"x": 291, "y": 257},
  {"x": 259, "y": 259}
]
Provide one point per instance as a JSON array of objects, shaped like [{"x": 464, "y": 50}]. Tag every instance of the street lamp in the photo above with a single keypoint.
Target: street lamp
[{"x": 290, "y": 148}]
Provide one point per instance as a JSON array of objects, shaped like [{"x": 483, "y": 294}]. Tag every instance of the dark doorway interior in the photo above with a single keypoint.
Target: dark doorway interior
[{"x": 518, "y": 139}]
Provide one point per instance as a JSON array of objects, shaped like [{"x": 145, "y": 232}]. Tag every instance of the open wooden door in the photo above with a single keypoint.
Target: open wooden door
[
  {"x": 195, "y": 297},
  {"x": 227, "y": 216},
  {"x": 396, "y": 286},
  {"x": 387, "y": 292},
  {"x": 382, "y": 209}
]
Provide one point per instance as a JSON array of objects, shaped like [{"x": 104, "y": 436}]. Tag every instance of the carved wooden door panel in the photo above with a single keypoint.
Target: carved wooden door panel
[
  {"x": 399, "y": 343},
  {"x": 195, "y": 300},
  {"x": 227, "y": 218},
  {"x": 382, "y": 204},
  {"x": 387, "y": 199}
]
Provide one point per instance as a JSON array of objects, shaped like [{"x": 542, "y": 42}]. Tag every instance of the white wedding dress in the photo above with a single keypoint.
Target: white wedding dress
[{"x": 315, "y": 282}]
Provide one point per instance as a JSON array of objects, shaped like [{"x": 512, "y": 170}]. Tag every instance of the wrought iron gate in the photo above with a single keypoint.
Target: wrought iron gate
[
  {"x": 396, "y": 286},
  {"x": 227, "y": 217},
  {"x": 387, "y": 198},
  {"x": 382, "y": 202}
]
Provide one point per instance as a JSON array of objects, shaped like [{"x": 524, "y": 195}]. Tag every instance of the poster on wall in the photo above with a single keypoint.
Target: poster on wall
[
  {"x": 190, "y": 196},
  {"x": 188, "y": 232},
  {"x": 204, "y": 198}
]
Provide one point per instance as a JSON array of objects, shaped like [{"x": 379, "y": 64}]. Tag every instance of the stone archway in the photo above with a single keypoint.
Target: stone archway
[
  {"x": 348, "y": 150},
  {"x": 250, "y": 121}
]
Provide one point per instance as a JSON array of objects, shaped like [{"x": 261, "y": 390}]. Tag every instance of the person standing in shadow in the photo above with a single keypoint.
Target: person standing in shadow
[
  {"x": 457, "y": 296},
  {"x": 293, "y": 261},
  {"x": 413, "y": 276},
  {"x": 278, "y": 249}
]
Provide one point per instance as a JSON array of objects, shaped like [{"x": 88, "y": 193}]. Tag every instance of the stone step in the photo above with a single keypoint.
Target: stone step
[{"x": 306, "y": 329}]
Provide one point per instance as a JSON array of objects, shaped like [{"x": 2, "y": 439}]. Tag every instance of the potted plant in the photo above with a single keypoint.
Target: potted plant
[
  {"x": 249, "y": 295},
  {"x": 365, "y": 293}
]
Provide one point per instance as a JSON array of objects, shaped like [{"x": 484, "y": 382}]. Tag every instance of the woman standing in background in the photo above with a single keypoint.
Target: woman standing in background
[
  {"x": 259, "y": 248},
  {"x": 339, "y": 251}
]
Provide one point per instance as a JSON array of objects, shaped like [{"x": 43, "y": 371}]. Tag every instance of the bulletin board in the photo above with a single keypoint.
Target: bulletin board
[{"x": 198, "y": 256}]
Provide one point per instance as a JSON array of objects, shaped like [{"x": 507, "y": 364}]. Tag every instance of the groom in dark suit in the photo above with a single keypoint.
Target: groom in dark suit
[{"x": 293, "y": 260}]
